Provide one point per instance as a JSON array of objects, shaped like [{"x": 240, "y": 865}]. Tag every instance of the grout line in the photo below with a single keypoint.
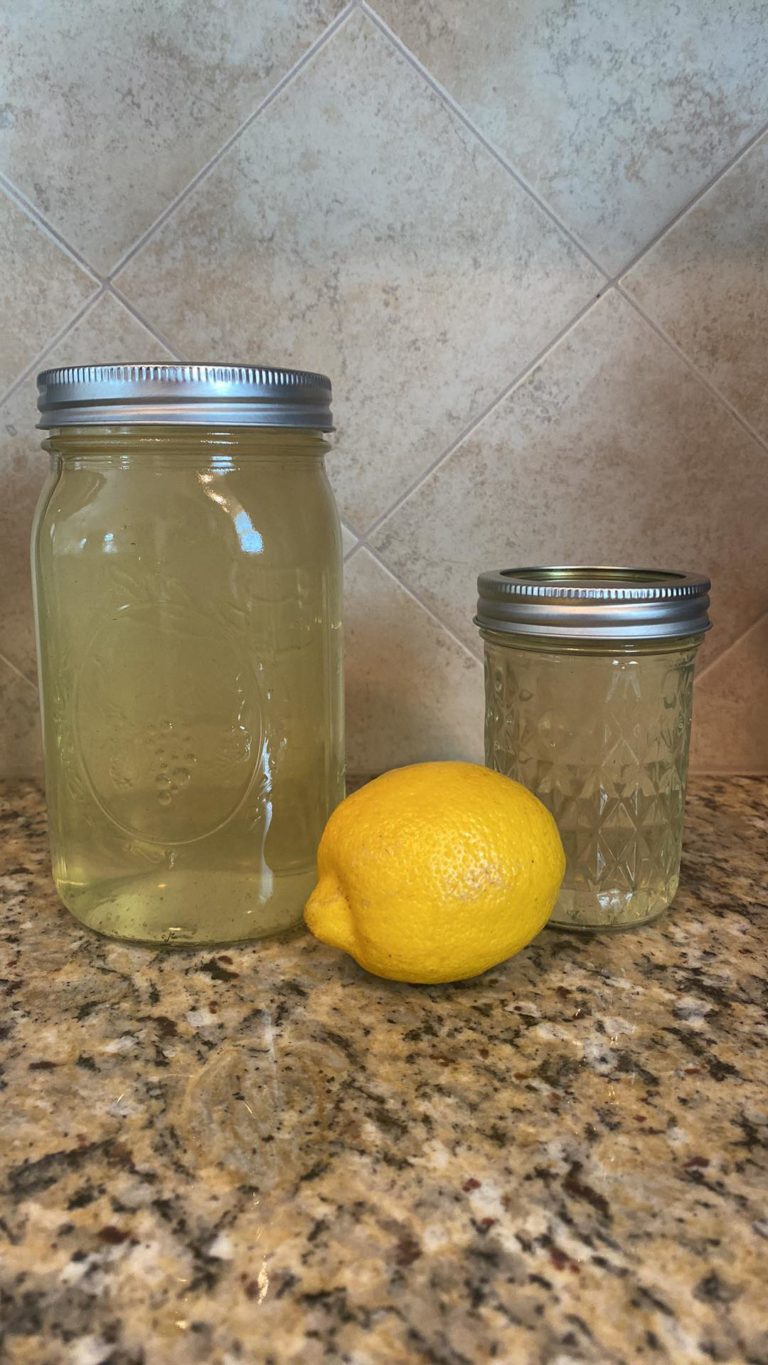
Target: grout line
[
  {"x": 570, "y": 233},
  {"x": 739, "y": 640},
  {"x": 699, "y": 195},
  {"x": 102, "y": 281},
  {"x": 50, "y": 343},
  {"x": 15, "y": 669},
  {"x": 352, "y": 533},
  {"x": 133, "y": 310},
  {"x": 409, "y": 591},
  {"x": 47, "y": 229},
  {"x": 363, "y": 542},
  {"x": 475, "y": 422},
  {"x": 448, "y": 99},
  {"x": 205, "y": 170},
  {"x": 362, "y": 6},
  {"x": 702, "y": 378},
  {"x": 29, "y": 209}
]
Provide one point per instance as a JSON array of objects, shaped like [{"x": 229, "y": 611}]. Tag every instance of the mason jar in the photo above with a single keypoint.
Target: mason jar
[
  {"x": 589, "y": 691},
  {"x": 187, "y": 567}
]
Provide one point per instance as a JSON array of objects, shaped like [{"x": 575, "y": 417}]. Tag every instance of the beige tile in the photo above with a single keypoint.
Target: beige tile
[
  {"x": 730, "y": 715},
  {"x": 20, "y": 744},
  {"x": 348, "y": 540},
  {"x": 41, "y": 288},
  {"x": 107, "y": 114},
  {"x": 357, "y": 227},
  {"x": 412, "y": 692},
  {"x": 707, "y": 284},
  {"x": 617, "y": 113},
  {"x": 106, "y": 332},
  {"x": 611, "y": 451}
]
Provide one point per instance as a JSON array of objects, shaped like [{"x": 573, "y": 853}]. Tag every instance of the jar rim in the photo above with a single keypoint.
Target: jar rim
[
  {"x": 592, "y": 602},
  {"x": 198, "y": 394}
]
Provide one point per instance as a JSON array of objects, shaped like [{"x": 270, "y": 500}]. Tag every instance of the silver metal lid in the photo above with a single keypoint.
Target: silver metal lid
[
  {"x": 240, "y": 395},
  {"x": 576, "y": 602}
]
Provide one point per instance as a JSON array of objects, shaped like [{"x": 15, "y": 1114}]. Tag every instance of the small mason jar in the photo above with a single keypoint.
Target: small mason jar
[
  {"x": 187, "y": 567},
  {"x": 589, "y": 690}
]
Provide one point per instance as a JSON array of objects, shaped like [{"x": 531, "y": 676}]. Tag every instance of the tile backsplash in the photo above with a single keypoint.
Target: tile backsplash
[{"x": 529, "y": 243}]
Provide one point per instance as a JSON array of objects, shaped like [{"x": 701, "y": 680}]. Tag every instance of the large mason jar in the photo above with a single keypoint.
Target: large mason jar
[
  {"x": 187, "y": 566},
  {"x": 589, "y": 690}
]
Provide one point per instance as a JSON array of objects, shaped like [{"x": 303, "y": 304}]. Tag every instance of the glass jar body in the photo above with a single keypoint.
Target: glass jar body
[
  {"x": 601, "y": 735},
  {"x": 188, "y": 605}
]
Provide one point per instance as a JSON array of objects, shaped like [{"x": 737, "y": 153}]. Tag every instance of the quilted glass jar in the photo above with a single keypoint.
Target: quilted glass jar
[
  {"x": 187, "y": 565},
  {"x": 589, "y": 690}
]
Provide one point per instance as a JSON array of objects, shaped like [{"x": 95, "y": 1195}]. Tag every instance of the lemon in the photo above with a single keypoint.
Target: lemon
[{"x": 436, "y": 872}]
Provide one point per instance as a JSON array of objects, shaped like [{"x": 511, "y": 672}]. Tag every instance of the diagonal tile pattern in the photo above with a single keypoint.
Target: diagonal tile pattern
[
  {"x": 107, "y": 114},
  {"x": 360, "y": 224},
  {"x": 412, "y": 692},
  {"x": 610, "y": 451},
  {"x": 20, "y": 744},
  {"x": 42, "y": 288},
  {"x": 730, "y": 731},
  {"x": 616, "y": 113},
  {"x": 397, "y": 255},
  {"x": 105, "y": 330},
  {"x": 706, "y": 283},
  {"x": 348, "y": 540}
]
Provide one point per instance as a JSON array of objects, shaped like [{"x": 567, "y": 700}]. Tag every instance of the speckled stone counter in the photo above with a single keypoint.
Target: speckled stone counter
[{"x": 264, "y": 1155}]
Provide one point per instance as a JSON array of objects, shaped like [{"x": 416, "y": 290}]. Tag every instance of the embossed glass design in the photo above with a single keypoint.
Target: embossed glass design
[
  {"x": 600, "y": 733},
  {"x": 188, "y": 599}
]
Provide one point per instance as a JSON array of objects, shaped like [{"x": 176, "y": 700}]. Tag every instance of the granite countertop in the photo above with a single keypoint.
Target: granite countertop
[{"x": 264, "y": 1155}]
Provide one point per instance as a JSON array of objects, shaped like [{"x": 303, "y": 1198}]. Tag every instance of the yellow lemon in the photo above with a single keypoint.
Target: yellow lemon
[{"x": 436, "y": 872}]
